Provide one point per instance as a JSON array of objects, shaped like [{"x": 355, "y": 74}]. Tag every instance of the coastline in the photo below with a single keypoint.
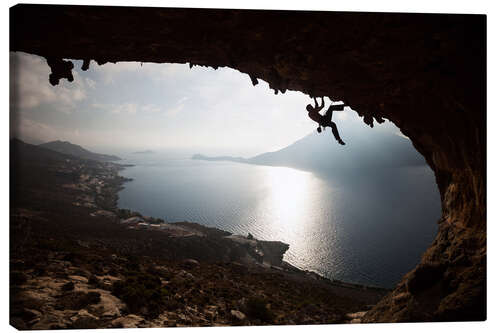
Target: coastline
[
  {"x": 74, "y": 263},
  {"x": 257, "y": 249}
]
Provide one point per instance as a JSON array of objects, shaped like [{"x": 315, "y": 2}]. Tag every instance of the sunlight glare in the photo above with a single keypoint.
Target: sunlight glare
[{"x": 288, "y": 194}]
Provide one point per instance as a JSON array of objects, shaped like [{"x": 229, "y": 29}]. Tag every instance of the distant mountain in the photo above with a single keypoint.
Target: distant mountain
[
  {"x": 25, "y": 152},
  {"x": 143, "y": 152},
  {"x": 68, "y": 148},
  {"x": 320, "y": 152},
  {"x": 219, "y": 158},
  {"x": 28, "y": 139}
]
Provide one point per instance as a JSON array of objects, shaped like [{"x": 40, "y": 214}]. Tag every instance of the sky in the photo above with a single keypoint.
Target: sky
[{"x": 134, "y": 106}]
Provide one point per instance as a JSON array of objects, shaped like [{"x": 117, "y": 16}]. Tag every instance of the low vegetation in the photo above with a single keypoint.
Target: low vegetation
[
  {"x": 258, "y": 308},
  {"x": 77, "y": 300},
  {"x": 143, "y": 293}
]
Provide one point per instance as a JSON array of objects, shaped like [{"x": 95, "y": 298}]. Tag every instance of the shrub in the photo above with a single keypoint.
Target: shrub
[
  {"x": 68, "y": 286},
  {"x": 17, "y": 278},
  {"x": 93, "y": 280},
  {"x": 86, "y": 323},
  {"x": 78, "y": 300},
  {"x": 257, "y": 309},
  {"x": 132, "y": 264},
  {"x": 143, "y": 294}
]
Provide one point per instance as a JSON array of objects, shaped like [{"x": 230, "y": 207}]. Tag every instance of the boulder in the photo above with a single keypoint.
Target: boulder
[
  {"x": 190, "y": 263},
  {"x": 130, "y": 321},
  {"x": 51, "y": 321},
  {"x": 238, "y": 315},
  {"x": 79, "y": 278},
  {"x": 109, "y": 306}
]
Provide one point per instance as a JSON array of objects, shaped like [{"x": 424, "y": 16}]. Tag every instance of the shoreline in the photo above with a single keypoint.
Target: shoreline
[
  {"x": 75, "y": 264},
  {"x": 139, "y": 221}
]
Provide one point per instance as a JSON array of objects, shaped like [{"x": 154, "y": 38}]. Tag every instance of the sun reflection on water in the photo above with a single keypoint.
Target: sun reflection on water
[
  {"x": 292, "y": 207},
  {"x": 288, "y": 191},
  {"x": 339, "y": 229}
]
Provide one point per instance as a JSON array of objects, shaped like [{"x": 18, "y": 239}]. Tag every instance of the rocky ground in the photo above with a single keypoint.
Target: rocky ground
[
  {"x": 71, "y": 268},
  {"x": 95, "y": 290}
]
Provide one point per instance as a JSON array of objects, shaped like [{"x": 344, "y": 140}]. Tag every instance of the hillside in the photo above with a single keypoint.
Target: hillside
[
  {"x": 76, "y": 261},
  {"x": 26, "y": 153},
  {"x": 68, "y": 148},
  {"x": 320, "y": 153}
]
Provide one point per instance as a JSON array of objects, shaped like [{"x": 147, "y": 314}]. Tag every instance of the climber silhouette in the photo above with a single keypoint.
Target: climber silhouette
[{"x": 325, "y": 120}]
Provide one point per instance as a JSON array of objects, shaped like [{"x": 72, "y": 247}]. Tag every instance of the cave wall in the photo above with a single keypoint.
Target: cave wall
[{"x": 424, "y": 72}]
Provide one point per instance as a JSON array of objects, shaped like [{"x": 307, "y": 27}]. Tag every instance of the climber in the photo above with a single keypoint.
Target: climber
[
  {"x": 313, "y": 111},
  {"x": 325, "y": 120}
]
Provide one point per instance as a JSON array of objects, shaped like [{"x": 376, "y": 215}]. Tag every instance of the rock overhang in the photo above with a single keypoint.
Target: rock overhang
[{"x": 424, "y": 72}]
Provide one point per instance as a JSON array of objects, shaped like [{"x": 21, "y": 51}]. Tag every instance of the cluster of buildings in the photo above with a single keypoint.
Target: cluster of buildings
[
  {"x": 147, "y": 223},
  {"x": 92, "y": 180}
]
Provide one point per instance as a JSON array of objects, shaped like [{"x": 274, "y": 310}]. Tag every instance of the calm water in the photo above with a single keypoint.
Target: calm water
[{"x": 358, "y": 228}]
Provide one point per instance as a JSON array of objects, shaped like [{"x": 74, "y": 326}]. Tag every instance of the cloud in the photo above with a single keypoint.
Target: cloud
[
  {"x": 398, "y": 132},
  {"x": 30, "y": 87},
  {"x": 204, "y": 107},
  {"x": 27, "y": 128},
  {"x": 109, "y": 73},
  {"x": 127, "y": 108},
  {"x": 151, "y": 108},
  {"x": 91, "y": 83},
  {"x": 172, "y": 112}
]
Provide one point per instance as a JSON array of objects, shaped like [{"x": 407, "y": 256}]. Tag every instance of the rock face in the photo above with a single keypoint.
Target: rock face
[{"x": 425, "y": 73}]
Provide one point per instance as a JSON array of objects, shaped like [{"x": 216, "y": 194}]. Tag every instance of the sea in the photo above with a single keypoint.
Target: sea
[{"x": 369, "y": 227}]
